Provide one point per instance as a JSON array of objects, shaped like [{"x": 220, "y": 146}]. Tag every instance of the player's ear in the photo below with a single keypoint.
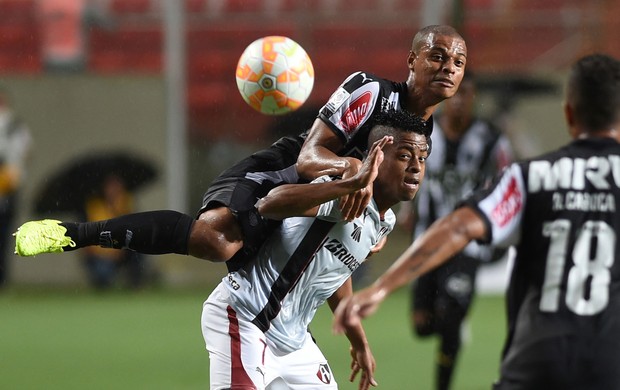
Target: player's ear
[
  {"x": 569, "y": 115},
  {"x": 411, "y": 59}
]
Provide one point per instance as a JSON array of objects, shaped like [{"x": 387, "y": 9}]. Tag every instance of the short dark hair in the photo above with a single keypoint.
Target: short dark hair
[
  {"x": 439, "y": 29},
  {"x": 593, "y": 90},
  {"x": 384, "y": 123}
]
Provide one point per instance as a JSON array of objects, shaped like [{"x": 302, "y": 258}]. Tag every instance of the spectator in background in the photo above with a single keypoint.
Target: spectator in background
[
  {"x": 104, "y": 264},
  {"x": 467, "y": 153},
  {"x": 15, "y": 142}
]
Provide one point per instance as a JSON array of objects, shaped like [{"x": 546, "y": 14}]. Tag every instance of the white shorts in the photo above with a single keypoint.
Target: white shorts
[{"x": 241, "y": 359}]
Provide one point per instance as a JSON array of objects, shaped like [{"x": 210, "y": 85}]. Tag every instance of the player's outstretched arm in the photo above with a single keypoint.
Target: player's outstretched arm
[
  {"x": 362, "y": 359},
  {"x": 446, "y": 237},
  {"x": 304, "y": 199}
]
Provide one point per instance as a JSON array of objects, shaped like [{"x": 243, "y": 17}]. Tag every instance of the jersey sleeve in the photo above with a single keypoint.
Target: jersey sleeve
[
  {"x": 350, "y": 106},
  {"x": 502, "y": 207}
]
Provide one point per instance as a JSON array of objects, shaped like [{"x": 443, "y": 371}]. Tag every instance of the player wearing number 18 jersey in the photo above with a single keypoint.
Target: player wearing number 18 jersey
[{"x": 560, "y": 212}]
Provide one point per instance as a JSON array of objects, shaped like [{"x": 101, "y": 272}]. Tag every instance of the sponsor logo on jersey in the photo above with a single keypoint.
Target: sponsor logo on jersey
[
  {"x": 356, "y": 113},
  {"x": 509, "y": 205},
  {"x": 233, "y": 283},
  {"x": 324, "y": 374},
  {"x": 573, "y": 174},
  {"x": 389, "y": 103},
  {"x": 342, "y": 253}
]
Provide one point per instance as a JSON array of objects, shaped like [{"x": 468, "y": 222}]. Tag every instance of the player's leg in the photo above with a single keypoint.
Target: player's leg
[
  {"x": 152, "y": 232},
  {"x": 237, "y": 350},
  {"x": 455, "y": 294},
  {"x": 305, "y": 369},
  {"x": 227, "y": 216},
  {"x": 423, "y": 296}
]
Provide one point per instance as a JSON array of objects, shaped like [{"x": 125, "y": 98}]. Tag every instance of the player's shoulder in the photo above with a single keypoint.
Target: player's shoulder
[{"x": 361, "y": 77}]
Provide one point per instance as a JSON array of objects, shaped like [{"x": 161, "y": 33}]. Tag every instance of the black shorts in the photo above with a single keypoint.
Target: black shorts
[
  {"x": 451, "y": 285},
  {"x": 242, "y": 185}
]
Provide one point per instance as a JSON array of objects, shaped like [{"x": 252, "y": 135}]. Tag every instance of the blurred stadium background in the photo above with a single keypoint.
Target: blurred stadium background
[{"x": 156, "y": 78}]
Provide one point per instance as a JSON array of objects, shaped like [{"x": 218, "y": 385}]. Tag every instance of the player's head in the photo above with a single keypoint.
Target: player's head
[
  {"x": 437, "y": 62},
  {"x": 593, "y": 95},
  {"x": 403, "y": 166}
]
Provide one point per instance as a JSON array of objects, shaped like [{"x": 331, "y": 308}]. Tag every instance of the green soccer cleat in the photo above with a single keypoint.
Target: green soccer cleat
[{"x": 45, "y": 236}]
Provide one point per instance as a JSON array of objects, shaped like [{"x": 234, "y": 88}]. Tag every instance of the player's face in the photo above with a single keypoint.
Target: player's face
[
  {"x": 439, "y": 65},
  {"x": 402, "y": 169}
]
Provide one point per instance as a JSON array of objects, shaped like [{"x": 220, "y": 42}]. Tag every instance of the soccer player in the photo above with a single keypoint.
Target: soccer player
[
  {"x": 468, "y": 152},
  {"x": 228, "y": 220},
  {"x": 255, "y": 323},
  {"x": 559, "y": 211}
]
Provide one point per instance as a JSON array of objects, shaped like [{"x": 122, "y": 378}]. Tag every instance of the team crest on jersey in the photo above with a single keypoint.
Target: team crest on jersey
[
  {"x": 509, "y": 205},
  {"x": 357, "y": 232},
  {"x": 356, "y": 113},
  {"x": 324, "y": 374}
]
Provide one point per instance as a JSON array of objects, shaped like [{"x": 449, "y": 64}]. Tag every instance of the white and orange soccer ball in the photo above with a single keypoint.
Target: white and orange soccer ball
[{"x": 275, "y": 75}]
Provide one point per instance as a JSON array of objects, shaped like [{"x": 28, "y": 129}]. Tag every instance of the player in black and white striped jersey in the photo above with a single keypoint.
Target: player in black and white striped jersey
[{"x": 228, "y": 222}]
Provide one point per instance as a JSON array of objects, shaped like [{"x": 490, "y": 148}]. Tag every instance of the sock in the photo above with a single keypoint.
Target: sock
[
  {"x": 450, "y": 344},
  {"x": 151, "y": 232}
]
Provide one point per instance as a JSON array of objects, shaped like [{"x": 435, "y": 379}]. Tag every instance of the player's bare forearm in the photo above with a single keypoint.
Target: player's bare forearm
[
  {"x": 318, "y": 156},
  {"x": 362, "y": 358},
  {"x": 355, "y": 334},
  {"x": 440, "y": 242},
  {"x": 303, "y": 199}
]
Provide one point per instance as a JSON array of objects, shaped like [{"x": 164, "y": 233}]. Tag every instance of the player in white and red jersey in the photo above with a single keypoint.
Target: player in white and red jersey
[
  {"x": 560, "y": 212},
  {"x": 228, "y": 220},
  {"x": 255, "y": 323}
]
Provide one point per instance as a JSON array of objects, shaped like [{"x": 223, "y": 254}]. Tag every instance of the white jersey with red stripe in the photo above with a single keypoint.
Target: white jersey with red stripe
[{"x": 301, "y": 265}]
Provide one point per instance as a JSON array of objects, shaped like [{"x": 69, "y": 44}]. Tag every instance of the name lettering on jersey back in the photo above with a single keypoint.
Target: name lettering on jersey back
[
  {"x": 342, "y": 253},
  {"x": 356, "y": 113},
  {"x": 574, "y": 174},
  {"x": 509, "y": 205}
]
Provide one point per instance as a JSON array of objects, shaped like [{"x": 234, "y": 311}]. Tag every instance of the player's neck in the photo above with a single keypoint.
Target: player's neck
[{"x": 612, "y": 132}]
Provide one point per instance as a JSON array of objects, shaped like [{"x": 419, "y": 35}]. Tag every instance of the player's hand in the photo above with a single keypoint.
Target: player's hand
[
  {"x": 378, "y": 246},
  {"x": 351, "y": 310},
  {"x": 353, "y": 205},
  {"x": 364, "y": 361}
]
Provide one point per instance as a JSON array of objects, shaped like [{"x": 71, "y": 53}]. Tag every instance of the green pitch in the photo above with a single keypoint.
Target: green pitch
[{"x": 152, "y": 340}]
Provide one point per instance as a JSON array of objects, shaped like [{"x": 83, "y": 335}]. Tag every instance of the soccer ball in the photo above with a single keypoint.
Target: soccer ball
[{"x": 275, "y": 75}]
